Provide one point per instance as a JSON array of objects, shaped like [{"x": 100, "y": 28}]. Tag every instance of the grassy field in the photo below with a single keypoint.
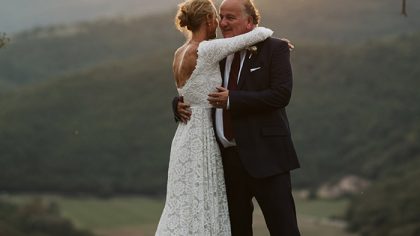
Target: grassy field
[{"x": 138, "y": 216}]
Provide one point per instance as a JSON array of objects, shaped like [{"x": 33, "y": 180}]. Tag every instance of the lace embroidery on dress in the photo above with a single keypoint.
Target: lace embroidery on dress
[{"x": 196, "y": 202}]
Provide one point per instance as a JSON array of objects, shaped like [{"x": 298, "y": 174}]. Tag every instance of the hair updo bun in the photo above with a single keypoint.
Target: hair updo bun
[
  {"x": 192, "y": 13},
  {"x": 183, "y": 18}
]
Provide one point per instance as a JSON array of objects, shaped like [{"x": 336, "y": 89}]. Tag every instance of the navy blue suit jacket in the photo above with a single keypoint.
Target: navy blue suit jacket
[{"x": 260, "y": 124}]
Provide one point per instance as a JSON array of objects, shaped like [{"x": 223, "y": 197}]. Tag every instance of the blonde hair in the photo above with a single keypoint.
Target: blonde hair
[{"x": 192, "y": 13}]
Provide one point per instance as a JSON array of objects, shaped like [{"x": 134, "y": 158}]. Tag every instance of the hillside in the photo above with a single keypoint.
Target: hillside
[
  {"x": 85, "y": 108},
  {"x": 108, "y": 129},
  {"x": 310, "y": 19},
  {"x": 41, "y": 53},
  {"x": 35, "y": 218},
  {"x": 101, "y": 131},
  {"x": 360, "y": 103},
  {"x": 391, "y": 206},
  {"x": 339, "y": 20}
]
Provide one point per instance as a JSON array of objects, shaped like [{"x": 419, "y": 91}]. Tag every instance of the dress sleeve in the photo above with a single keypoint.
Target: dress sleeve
[{"x": 217, "y": 49}]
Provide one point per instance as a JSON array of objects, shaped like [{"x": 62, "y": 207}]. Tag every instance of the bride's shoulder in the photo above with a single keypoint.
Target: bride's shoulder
[
  {"x": 186, "y": 50},
  {"x": 209, "y": 44}
]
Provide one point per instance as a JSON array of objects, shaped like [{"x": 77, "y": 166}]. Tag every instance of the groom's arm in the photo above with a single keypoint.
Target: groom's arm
[{"x": 280, "y": 89}]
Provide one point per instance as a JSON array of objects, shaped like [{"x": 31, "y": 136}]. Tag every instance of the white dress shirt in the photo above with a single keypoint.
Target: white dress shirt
[{"x": 219, "y": 112}]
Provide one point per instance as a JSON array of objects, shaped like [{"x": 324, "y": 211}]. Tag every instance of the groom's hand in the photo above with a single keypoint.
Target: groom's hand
[
  {"x": 291, "y": 46},
  {"x": 219, "y": 99},
  {"x": 184, "y": 112}
]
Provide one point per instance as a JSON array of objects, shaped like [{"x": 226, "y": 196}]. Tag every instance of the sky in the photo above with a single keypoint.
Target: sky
[{"x": 18, "y": 15}]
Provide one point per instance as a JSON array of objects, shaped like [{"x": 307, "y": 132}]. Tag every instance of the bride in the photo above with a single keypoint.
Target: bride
[{"x": 196, "y": 202}]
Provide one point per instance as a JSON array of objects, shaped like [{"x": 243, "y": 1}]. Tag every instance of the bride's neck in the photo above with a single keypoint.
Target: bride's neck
[{"x": 198, "y": 36}]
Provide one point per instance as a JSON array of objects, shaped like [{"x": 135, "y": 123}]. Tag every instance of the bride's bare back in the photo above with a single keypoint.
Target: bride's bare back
[{"x": 185, "y": 60}]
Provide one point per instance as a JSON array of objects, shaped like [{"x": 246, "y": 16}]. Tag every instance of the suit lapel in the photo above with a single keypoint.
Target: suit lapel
[
  {"x": 248, "y": 62},
  {"x": 245, "y": 69}
]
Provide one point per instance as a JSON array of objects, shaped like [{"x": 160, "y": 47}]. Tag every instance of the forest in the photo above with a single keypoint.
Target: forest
[{"x": 85, "y": 108}]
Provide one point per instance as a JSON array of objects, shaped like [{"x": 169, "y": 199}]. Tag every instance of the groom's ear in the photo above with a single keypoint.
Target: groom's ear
[{"x": 250, "y": 23}]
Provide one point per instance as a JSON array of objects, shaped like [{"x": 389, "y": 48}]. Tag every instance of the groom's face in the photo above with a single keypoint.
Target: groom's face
[{"x": 233, "y": 18}]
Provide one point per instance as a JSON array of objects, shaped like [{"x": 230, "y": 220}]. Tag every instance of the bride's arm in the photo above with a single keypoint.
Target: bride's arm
[{"x": 217, "y": 49}]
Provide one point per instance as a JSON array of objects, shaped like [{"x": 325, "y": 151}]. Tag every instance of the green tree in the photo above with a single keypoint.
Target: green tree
[
  {"x": 3, "y": 39},
  {"x": 390, "y": 207},
  {"x": 36, "y": 218}
]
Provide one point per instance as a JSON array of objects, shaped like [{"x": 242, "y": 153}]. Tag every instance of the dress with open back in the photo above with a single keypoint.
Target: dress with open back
[{"x": 196, "y": 202}]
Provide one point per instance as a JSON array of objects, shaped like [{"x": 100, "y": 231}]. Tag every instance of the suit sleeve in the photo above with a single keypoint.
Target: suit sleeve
[{"x": 277, "y": 95}]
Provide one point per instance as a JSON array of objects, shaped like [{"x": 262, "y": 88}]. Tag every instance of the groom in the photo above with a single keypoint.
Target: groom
[{"x": 252, "y": 127}]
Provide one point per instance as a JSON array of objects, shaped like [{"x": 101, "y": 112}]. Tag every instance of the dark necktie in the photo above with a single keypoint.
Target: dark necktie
[{"x": 232, "y": 85}]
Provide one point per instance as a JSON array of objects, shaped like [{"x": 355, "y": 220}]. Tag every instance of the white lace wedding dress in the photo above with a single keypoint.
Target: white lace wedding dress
[{"x": 196, "y": 202}]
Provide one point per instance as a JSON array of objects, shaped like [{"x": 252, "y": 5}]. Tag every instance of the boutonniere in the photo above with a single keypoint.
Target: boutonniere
[{"x": 252, "y": 51}]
